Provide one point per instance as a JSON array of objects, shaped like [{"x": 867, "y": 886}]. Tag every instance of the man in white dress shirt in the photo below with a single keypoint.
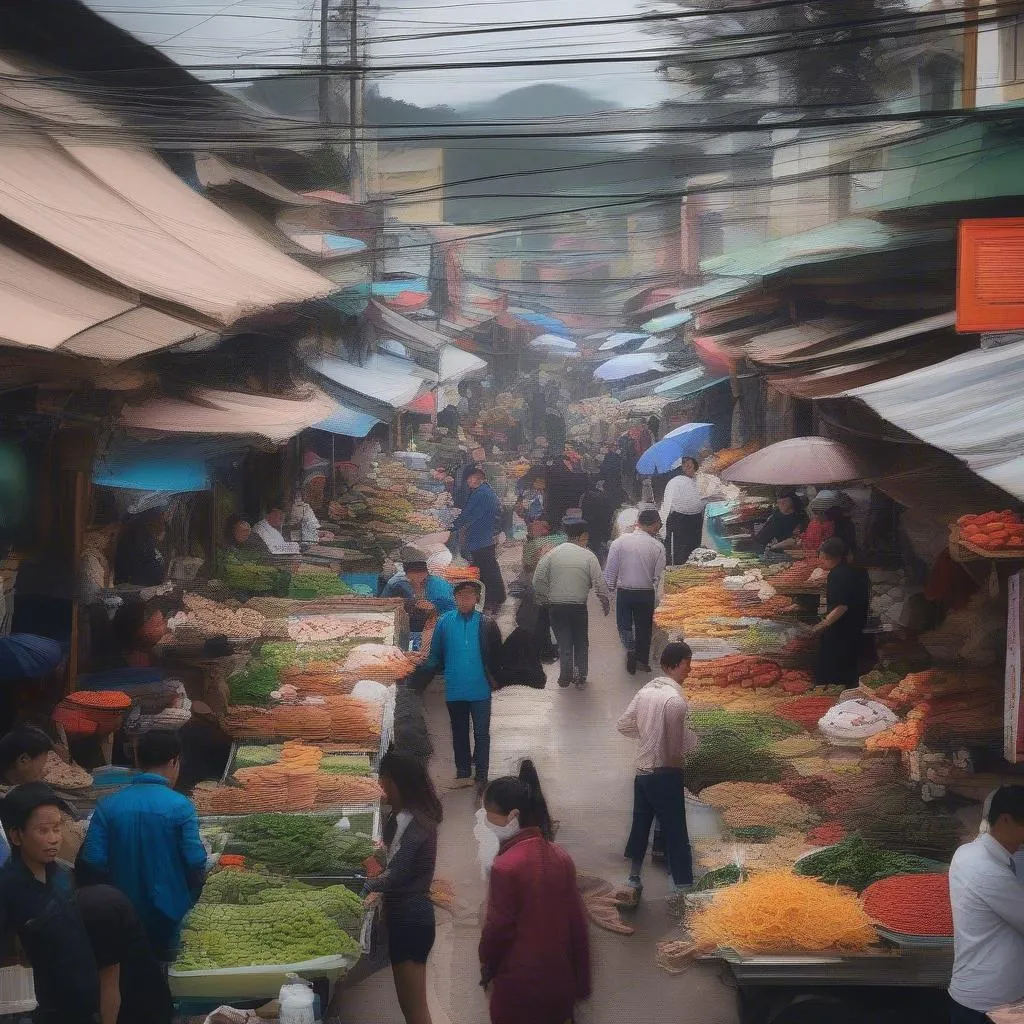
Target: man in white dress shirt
[
  {"x": 682, "y": 512},
  {"x": 268, "y": 529},
  {"x": 987, "y": 896}
]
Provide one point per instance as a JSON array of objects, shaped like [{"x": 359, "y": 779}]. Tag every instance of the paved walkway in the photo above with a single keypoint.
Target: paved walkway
[{"x": 585, "y": 769}]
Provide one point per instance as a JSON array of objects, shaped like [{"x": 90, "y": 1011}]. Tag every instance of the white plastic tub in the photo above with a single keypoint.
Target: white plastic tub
[
  {"x": 702, "y": 821},
  {"x": 262, "y": 982}
]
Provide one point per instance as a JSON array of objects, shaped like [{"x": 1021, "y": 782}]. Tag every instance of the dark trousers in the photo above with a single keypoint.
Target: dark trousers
[
  {"x": 486, "y": 560},
  {"x": 462, "y": 713},
  {"x": 962, "y": 1015},
  {"x": 682, "y": 535},
  {"x": 659, "y": 795},
  {"x": 547, "y": 648},
  {"x": 634, "y": 618},
  {"x": 572, "y": 631}
]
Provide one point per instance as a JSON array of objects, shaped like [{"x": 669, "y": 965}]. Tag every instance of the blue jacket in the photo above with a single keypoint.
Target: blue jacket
[
  {"x": 465, "y": 648},
  {"x": 439, "y": 591},
  {"x": 480, "y": 518},
  {"x": 145, "y": 840}
]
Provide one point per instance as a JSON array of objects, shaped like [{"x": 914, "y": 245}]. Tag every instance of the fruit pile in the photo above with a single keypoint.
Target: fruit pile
[{"x": 993, "y": 531}]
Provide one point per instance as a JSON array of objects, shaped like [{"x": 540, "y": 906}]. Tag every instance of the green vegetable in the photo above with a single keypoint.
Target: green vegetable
[
  {"x": 345, "y": 764},
  {"x": 253, "y": 577},
  {"x": 879, "y": 677},
  {"x": 757, "y": 729},
  {"x": 755, "y": 833},
  {"x": 255, "y": 755},
  {"x": 299, "y": 844},
  {"x": 857, "y": 863},
  {"x": 897, "y": 819},
  {"x": 730, "y": 874},
  {"x": 253, "y": 684},
  {"x": 284, "y": 653},
  {"x": 309, "y": 585}
]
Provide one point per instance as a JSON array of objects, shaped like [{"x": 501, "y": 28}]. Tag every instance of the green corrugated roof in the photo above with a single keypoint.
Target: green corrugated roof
[
  {"x": 948, "y": 167},
  {"x": 845, "y": 238}
]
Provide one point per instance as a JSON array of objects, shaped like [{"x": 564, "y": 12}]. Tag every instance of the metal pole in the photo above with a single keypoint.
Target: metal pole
[
  {"x": 355, "y": 105},
  {"x": 324, "y": 81}
]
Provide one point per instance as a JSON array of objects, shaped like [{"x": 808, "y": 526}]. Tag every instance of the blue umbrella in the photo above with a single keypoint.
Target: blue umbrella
[
  {"x": 27, "y": 656},
  {"x": 667, "y": 453},
  {"x": 635, "y": 365},
  {"x": 618, "y": 340},
  {"x": 542, "y": 320}
]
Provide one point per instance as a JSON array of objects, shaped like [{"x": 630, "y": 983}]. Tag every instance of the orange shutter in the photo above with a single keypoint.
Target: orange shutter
[{"x": 990, "y": 275}]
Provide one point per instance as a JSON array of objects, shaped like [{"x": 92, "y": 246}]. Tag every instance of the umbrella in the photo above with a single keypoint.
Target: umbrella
[
  {"x": 653, "y": 343},
  {"x": 554, "y": 341},
  {"x": 621, "y": 367},
  {"x": 667, "y": 453},
  {"x": 27, "y": 656},
  {"x": 799, "y": 460},
  {"x": 541, "y": 320},
  {"x": 618, "y": 340}
]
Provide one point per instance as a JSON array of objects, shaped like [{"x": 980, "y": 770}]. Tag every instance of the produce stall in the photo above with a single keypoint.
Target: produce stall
[{"x": 834, "y": 813}]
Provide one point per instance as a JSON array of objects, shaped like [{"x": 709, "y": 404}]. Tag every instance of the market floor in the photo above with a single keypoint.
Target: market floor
[{"x": 584, "y": 766}]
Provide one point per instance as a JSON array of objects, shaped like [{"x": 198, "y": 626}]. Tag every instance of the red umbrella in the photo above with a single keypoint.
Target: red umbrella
[{"x": 799, "y": 460}]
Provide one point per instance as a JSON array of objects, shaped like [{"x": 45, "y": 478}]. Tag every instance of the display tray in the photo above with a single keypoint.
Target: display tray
[
  {"x": 261, "y": 982},
  {"x": 905, "y": 941},
  {"x": 325, "y": 746},
  {"x": 968, "y": 552}
]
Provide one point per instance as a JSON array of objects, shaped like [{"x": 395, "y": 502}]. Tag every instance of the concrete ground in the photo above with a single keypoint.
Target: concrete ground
[{"x": 585, "y": 768}]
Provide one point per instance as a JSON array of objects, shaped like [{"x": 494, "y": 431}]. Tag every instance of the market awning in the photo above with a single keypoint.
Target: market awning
[
  {"x": 206, "y": 411},
  {"x": 123, "y": 213},
  {"x": 154, "y": 466},
  {"x": 425, "y": 344},
  {"x": 697, "y": 296},
  {"x": 778, "y": 347},
  {"x": 348, "y": 421},
  {"x": 970, "y": 406},
  {"x": 668, "y": 322},
  {"x": 845, "y": 238},
  {"x": 376, "y": 387},
  {"x": 456, "y": 364},
  {"x": 676, "y": 386},
  {"x": 215, "y": 172}
]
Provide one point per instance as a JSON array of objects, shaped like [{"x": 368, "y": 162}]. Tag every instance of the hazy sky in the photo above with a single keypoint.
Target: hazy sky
[{"x": 198, "y": 32}]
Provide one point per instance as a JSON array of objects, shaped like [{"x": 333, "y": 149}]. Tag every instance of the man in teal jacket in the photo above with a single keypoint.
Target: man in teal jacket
[
  {"x": 466, "y": 646},
  {"x": 145, "y": 840}
]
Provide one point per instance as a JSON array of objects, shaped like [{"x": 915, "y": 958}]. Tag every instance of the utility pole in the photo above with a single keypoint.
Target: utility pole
[
  {"x": 355, "y": 107},
  {"x": 324, "y": 81}
]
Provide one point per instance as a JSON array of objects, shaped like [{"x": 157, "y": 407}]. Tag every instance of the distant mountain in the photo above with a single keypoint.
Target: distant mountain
[{"x": 534, "y": 101}]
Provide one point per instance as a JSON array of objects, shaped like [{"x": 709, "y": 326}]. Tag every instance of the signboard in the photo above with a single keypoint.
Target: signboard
[
  {"x": 990, "y": 275},
  {"x": 1013, "y": 708}
]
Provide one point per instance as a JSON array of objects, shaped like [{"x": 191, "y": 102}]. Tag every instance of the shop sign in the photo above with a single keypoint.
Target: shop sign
[
  {"x": 1013, "y": 708},
  {"x": 990, "y": 275}
]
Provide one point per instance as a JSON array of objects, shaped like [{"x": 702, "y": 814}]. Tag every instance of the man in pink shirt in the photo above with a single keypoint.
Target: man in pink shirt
[{"x": 658, "y": 717}]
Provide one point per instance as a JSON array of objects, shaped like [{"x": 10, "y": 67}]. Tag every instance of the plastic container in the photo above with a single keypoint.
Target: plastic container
[
  {"x": 360, "y": 579},
  {"x": 261, "y": 982},
  {"x": 296, "y": 1003},
  {"x": 702, "y": 821},
  {"x": 17, "y": 990},
  {"x": 112, "y": 777}
]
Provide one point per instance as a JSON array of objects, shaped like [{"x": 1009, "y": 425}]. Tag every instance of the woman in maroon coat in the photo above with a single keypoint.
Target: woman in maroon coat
[{"x": 534, "y": 950}]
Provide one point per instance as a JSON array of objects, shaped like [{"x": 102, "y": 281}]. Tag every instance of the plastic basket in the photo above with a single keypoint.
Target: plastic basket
[{"x": 17, "y": 990}]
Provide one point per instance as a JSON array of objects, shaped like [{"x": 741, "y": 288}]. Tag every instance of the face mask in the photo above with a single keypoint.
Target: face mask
[{"x": 507, "y": 831}]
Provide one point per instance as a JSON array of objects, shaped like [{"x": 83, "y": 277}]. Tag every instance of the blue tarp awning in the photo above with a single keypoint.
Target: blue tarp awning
[
  {"x": 350, "y": 422},
  {"x": 542, "y": 320},
  {"x": 166, "y": 466}
]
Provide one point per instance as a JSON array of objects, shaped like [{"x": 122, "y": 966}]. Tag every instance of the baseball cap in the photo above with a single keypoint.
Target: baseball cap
[{"x": 465, "y": 584}]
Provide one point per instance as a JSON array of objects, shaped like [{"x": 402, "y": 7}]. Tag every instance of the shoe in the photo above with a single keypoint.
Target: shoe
[
  {"x": 460, "y": 783},
  {"x": 643, "y": 666},
  {"x": 580, "y": 682},
  {"x": 631, "y": 663},
  {"x": 628, "y": 897},
  {"x": 563, "y": 682},
  {"x": 676, "y": 899}
]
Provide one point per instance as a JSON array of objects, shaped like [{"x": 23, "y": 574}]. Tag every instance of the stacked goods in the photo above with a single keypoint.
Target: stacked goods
[
  {"x": 62, "y": 775},
  {"x": 723, "y": 459},
  {"x": 803, "y": 574},
  {"x": 295, "y": 721},
  {"x": 993, "y": 531},
  {"x": 455, "y": 574},
  {"x": 759, "y": 730},
  {"x": 288, "y": 924},
  {"x": 308, "y": 583},
  {"x": 92, "y": 712},
  {"x": 283, "y": 654},
  {"x": 796, "y": 746},
  {"x": 345, "y": 764},
  {"x": 855, "y": 863},
  {"x": 911, "y": 904},
  {"x": 779, "y": 912},
  {"x": 215, "y": 619},
  {"x": 324, "y": 628},
  {"x": 903, "y": 736},
  {"x": 745, "y": 805},
  {"x": 881, "y": 681},
  {"x": 761, "y": 637},
  {"x": 896, "y": 819},
  {"x": 742, "y": 670},
  {"x": 316, "y": 678},
  {"x": 725, "y": 757},
  {"x": 276, "y": 789},
  {"x": 694, "y": 610},
  {"x": 299, "y": 844},
  {"x": 682, "y": 577},
  {"x": 828, "y": 833},
  {"x": 807, "y": 710},
  {"x": 342, "y": 790},
  {"x": 378, "y": 661},
  {"x": 813, "y": 790},
  {"x": 353, "y": 721}
]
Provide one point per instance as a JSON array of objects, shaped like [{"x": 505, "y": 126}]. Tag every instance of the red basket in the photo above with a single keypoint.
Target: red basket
[{"x": 92, "y": 712}]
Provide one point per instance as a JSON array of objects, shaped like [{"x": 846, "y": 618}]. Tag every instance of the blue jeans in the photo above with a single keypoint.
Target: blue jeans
[
  {"x": 571, "y": 626},
  {"x": 634, "y": 617},
  {"x": 962, "y": 1015},
  {"x": 659, "y": 796},
  {"x": 462, "y": 713}
]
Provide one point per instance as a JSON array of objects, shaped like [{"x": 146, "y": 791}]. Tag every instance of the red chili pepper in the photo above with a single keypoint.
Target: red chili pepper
[{"x": 912, "y": 904}]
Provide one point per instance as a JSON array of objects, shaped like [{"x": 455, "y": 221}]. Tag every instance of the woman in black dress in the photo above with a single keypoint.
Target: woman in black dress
[
  {"x": 847, "y": 597},
  {"x": 410, "y": 840}
]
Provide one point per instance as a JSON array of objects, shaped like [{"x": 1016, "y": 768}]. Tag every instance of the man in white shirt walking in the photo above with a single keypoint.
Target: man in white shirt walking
[
  {"x": 268, "y": 529},
  {"x": 682, "y": 511},
  {"x": 635, "y": 565},
  {"x": 658, "y": 716},
  {"x": 987, "y": 896},
  {"x": 563, "y": 580}
]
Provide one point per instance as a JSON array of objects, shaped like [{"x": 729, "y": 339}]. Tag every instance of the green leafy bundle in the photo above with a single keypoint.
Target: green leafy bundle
[
  {"x": 253, "y": 685},
  {"x": 299, "y": 844},
  {"x": 728, "y": 874},
  {"x": 856, "y": 863}
]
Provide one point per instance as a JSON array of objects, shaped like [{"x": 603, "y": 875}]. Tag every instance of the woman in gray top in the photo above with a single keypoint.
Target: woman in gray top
[{"x": 410, "y": 841}]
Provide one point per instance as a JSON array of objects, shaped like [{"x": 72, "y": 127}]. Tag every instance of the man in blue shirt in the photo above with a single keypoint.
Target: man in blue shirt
[
  {"x": 425, "y": 596},
  {"x": 466, "y": 646},
  {"x": 478, "y": 523},
  {"x": 145, "y": 841}
]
